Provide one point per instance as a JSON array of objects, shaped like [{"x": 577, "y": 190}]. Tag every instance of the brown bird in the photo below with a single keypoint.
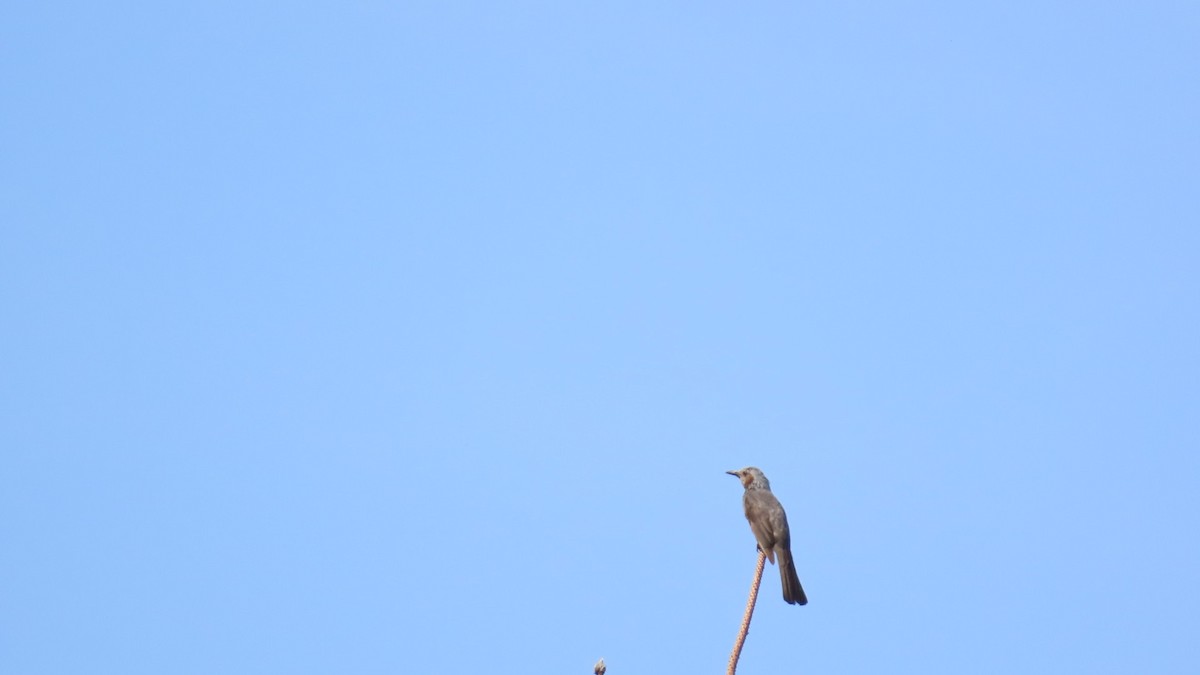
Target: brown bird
[{"x": 769, "y": 524}]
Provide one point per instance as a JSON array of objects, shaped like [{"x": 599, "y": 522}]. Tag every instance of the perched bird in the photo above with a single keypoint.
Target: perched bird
[{"x": 769, "y": 524}]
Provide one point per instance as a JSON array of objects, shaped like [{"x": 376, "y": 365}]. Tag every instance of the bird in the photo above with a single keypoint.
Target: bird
[{"x": 768, "y": 522}]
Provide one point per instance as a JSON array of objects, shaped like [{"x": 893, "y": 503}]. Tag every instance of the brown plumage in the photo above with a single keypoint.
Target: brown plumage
[{"x": 769, "y": 524}]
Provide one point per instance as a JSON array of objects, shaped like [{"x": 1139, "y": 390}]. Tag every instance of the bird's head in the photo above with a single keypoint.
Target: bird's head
[{"x": 751, "y": 477}]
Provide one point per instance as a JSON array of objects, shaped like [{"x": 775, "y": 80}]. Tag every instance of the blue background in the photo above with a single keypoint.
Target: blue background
[{"x": 385, "y": 337}]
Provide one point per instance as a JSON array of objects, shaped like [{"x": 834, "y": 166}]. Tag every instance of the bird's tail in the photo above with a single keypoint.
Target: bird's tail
[{"x": 793, "y": 592}]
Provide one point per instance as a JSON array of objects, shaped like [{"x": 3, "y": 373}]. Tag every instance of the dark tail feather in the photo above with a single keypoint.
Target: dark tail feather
[{"x": 793, "y": 592}]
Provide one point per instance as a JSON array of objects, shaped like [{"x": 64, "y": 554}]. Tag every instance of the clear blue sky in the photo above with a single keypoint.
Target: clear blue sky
[{"x": 389, "y": 337}]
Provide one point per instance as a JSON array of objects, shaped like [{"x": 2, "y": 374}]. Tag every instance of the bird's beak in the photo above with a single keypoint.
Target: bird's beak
[{"x": 732, "y": 473}]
